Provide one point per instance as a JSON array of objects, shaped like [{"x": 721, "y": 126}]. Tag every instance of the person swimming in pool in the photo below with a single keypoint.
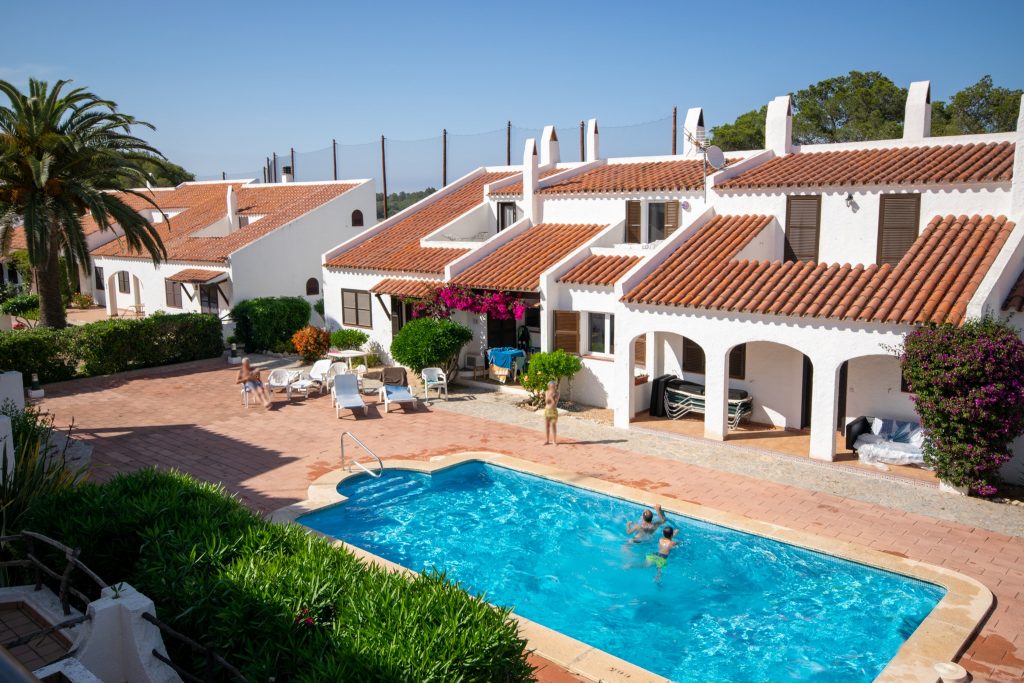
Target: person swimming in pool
[
  {"x": 665, "y": 545},
  {"x": 643, "y": 530}
]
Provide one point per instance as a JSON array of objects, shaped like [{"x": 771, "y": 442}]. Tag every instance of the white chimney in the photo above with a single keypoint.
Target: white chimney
[
  {"x": 778, "y": 125},
  {"x": 549, "y": 146},
  {"x": 531, "y": 201},
  {"x": 693, "y": 125},
  {"x": 593, "y": 148},
  {"x": 917, "y": 121},
  {"x": 232, "y": 201},
  {"x": 286, "y": 174}
]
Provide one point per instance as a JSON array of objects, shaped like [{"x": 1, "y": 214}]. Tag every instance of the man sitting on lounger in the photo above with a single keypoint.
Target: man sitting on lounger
[
  {"x": 647, "y": 525},
  {"x": 253, "y": 383}
]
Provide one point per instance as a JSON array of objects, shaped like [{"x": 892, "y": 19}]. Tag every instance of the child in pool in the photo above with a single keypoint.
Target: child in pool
[
  {"x": 647, "y": 526},
  {"x": 665, "y": 545}
]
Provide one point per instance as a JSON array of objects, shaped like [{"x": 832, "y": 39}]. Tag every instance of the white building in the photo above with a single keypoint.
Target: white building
[
  {"x": 794, "y": 274},
  {"x": 228, "y": 241}
]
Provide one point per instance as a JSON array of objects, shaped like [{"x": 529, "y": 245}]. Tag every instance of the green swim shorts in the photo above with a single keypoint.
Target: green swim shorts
[{"x": 657, "y": 560}]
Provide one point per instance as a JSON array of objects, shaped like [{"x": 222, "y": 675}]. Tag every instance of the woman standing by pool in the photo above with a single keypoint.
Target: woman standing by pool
[{"x": 551, "y": 413}]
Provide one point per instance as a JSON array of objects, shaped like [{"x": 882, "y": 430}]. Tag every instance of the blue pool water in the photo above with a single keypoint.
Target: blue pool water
[{"x": 729, "y": 606}]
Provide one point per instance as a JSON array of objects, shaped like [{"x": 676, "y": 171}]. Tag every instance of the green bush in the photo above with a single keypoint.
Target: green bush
[
  {"x": 51, "y": 353},
  {"x": 264, "y": 323},
  {"x": 348, "y": 339},
  {"x": 549, "y": 366},
  {"x": 275, "y": 599},
  {"x": 22, "y": 306},
  {"x": 429, "y": 343}
]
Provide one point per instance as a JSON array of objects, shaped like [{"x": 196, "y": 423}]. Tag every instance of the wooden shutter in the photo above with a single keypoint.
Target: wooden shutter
[
  {"x": 671, "y": 218},
  {"x": 803, "y": 225},
  {"x": 693, "y": 357},
  {"x": 898, "y": 218},
  {"x": 567, "y": 331},
  {"x": 738, "y": 362},
  {"x": 640, "y": 352},
  {"x": 172, "y": 294},
  {"x": 633, "y": 222}
]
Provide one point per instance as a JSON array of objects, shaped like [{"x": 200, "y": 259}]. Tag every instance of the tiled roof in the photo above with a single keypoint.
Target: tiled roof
[
  {"x": 405, "y": 288},
  {"x": 1015, "y": 299},
  {"x": 196, "y": 275},
  {"x": 205, "y": 204},
  {"x": 518, "y": 264},
  {"x": 600, "y": 269},
  {"x": 397, "y": 248},
  {"x": 516, "y": 189},
  {"x": 970, "y": 163},
  {"x": 933, "y": 282},
  {"x": 646, "y": 176}
]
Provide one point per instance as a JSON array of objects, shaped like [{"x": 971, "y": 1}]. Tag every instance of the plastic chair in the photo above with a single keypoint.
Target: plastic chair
[
  {"x": 335, "y": 370},
  {"x": 434, "y": 378},
  {"x": 318, "y": 373},
  {"x": 281, "y": 379}
]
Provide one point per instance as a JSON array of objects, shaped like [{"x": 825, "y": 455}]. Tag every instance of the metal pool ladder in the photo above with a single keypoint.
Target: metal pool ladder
[{"x": 380, "y": 463}]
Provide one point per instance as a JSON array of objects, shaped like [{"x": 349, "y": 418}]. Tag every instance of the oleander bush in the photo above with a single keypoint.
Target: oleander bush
[
  {"x": 276, "y": 600},
  {"x": 546, "y": 367},
  {"x": 348, "y": 339},
  {"x": 430, "y": 343},
  {"x": 311, "y": 343},
  {"x": 264, "y": 323},
  {"x": 968, "y": 389},
  {"x": 111, "y": 346}
]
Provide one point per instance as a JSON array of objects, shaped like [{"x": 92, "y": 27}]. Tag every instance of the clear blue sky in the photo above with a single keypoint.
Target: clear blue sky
[{"x": 225, "y": 83}]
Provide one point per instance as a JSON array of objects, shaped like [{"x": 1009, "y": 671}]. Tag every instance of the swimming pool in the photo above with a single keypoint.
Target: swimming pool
[{"x": 729, "y": 606}]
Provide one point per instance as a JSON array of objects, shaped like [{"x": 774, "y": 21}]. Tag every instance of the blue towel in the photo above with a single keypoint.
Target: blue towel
[{"x": 504, "y": 356}]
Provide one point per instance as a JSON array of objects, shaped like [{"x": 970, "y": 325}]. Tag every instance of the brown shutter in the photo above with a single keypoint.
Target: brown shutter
[
  {"x": 671, "y": 218},
  {"x": 693, "y": 357},
  {"x": 633, "y": 222},
  {"x": 803, "y": 224},
  {"x": 640, "y": 352},
  {"x": 898, "y": 218},
  {"x": 567, "y": 331}
]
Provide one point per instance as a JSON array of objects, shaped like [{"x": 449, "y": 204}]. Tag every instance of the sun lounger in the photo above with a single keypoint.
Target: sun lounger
[
  {"x": 345, "y": 394},
  {"x": 393, "y": 394}
]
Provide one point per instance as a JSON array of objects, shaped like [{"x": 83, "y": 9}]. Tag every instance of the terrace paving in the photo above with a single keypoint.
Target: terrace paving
[{"x": 189, "y": 416}]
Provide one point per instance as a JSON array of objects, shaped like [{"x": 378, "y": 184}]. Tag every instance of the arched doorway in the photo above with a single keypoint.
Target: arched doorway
[{"x": 124, "y": 295}]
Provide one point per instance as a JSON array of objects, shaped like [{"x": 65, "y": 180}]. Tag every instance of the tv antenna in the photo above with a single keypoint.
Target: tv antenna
[{"x": 712, "y": 156}]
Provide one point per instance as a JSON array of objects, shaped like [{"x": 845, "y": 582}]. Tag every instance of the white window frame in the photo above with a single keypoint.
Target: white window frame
[{"x": 609, "y": 334}]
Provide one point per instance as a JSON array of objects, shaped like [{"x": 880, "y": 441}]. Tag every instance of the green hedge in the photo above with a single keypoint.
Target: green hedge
[
  {"x": 276, "y": 600},
  {"x": 111, "y": 346},
  {"x": 263, "y": 324}
]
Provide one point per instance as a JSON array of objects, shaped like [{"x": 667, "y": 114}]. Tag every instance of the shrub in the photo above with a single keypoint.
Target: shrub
[
  {"x": 318, "y": 306},
  {"x": 968, "y": 385},
  {"x": 348, "y": 339},
  {"x": 311, "y": 343},
  {"x": 430, "y": 342},
  {"x": 79, "y": 300},
  {"x": 25, "y": 307},
  {"x": 275, "y": 599},
  {"x": 39, "y": 470},
  {"x": 110, "y": 346},
  {"x": 264, "y": 323},
  {"x": 51, "y": 353},
  {"x": 545, "y": 367}
]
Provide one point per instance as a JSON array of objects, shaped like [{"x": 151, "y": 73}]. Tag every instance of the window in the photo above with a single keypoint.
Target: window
[
  {"x": 172, "y": 292},
  {"x": 355, "y": 308},
  {"x": 312, "y": 287},
  {"x": 208, "y": 299},
  {"x": 122, "y": 282},
  {"x": 693, "y": 359},
  {"x": 243, "y": 221},
  {"x": 898, "y": 218},
  {"x": 633, "y": 213},
  {"x": 662, "y": 220},
  {"x": 506, "y": 214},
  {"x": 803, "y": 226},
  {"x": 357, "y": 219},
  {"x": 98, "y": 275},
  {"x": 601, "y": 338}
]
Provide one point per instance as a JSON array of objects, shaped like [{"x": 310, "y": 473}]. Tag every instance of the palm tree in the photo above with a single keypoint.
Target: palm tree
[{"x": 60, "y": 155}]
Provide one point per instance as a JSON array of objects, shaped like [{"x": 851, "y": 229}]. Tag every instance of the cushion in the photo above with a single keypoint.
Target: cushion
[
  {"x": 902, "y": 431},
  {"x": 890, "y": 453},
  {"x": 876, "y": 425}
]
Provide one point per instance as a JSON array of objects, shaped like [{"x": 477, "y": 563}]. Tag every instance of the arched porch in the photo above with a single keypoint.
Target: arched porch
[{"x": 124, "y": 295}]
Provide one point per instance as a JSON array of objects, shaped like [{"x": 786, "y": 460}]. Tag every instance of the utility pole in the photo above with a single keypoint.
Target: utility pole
[
  {"x": 384, "y": 175},
  {"x": 293, "y": 163},
  {"x": 508, "y": 144},
  {"x": 582, "y": 141},
  {"x": 275, "y": 166},
  {"x": 444, "y": 157},
  {"x": 673, "y": 131},
  {"x": 334, "y": 155}
]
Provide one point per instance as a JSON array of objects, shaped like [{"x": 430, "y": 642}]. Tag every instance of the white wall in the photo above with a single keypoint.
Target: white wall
[
  {"x": 335, "y": 280},
  {"x": 873, "y": 388},
  {"x": 149, "y": 279}
]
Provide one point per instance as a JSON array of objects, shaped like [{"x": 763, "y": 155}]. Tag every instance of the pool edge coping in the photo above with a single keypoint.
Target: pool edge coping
[{"x": 941, "y": 637}]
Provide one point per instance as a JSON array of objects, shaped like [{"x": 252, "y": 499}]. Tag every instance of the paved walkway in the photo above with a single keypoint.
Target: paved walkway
[{"x": 190, "y": 417}]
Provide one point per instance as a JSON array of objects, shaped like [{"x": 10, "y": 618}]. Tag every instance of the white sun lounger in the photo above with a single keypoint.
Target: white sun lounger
[
  {"x": 394, "y": 394},
  {"x": 345, "y": 394}
]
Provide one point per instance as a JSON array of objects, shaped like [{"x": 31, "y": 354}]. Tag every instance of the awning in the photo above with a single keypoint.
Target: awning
[
  {"x": 404, "y": 288},
  {"x": 197, "y": 276}
]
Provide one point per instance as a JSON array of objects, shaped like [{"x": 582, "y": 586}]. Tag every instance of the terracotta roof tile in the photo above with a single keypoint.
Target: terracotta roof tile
[
  {"x": 196, "y": 275},
  {"x": 397, "y": 248},
  {"x": 405, "y": 288},
  {"x": 600, "y": 269},
  {"x": 516, "y": 189},
  {"x": 203, "y": 204},
  {"x": 933, "y": 282},
  {"x": 1015, "y": 299},
  {"x": 646, "y": 176},
  {"x": 969, "y": 163},
  {"x": 518, "y": 264}
]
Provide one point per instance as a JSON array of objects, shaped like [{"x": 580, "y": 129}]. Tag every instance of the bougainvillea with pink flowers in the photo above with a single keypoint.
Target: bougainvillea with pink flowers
[
  {"x": 497, "y": 305},
  {"x": 968, "y": 385}
]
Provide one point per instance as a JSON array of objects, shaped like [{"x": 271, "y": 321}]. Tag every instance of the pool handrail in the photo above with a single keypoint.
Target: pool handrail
[{"x": 380, "y": 463}]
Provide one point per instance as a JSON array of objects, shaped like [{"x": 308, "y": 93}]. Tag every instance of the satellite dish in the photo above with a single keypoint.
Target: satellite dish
[{"x": 715, "y": 157}]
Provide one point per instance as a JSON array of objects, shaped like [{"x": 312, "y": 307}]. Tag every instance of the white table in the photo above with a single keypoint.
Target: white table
[{"x": 348, "y": 355}]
